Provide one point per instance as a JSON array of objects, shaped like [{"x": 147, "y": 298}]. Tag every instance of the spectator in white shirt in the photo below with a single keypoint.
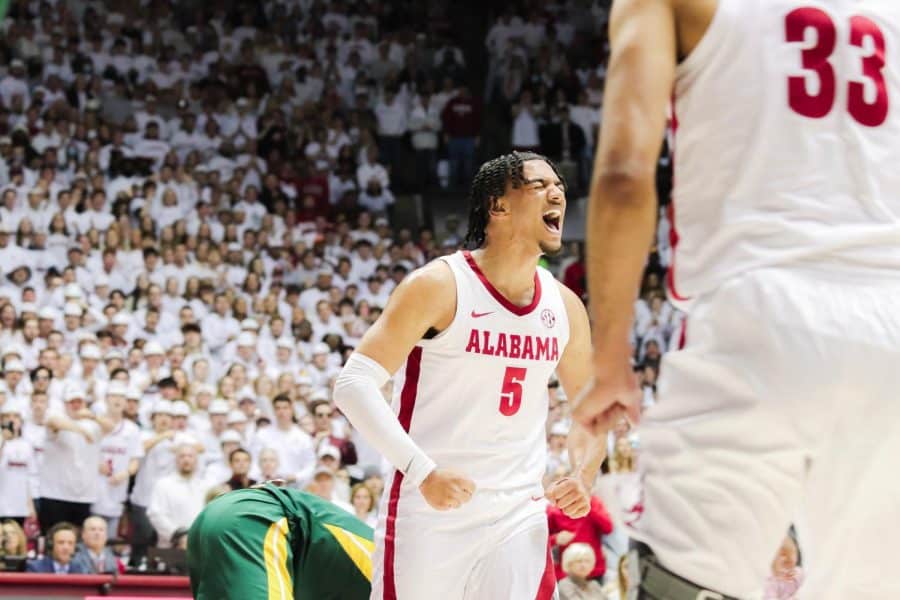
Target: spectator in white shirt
[
  {"x": 296, "y": 456},
  {"x": 219, "y": 470},
  {"x": 323, "y": 486},
  {"x": 17, "y": 465},
  {"x": 372, "y": 170},
  {"x": 69, "y": 474},
  {"x": 14, "y": 84},
  {"x": 158, "y": 462},
  {"x": 375, "y": 198},
  {"x": 219, "y": 327},
  {"x": 178, "y": 498},
  {"x": 120, "y": 453}
]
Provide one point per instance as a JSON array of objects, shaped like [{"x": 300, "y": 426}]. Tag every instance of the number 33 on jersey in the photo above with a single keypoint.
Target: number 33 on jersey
[{"x": 867, "y": 93}]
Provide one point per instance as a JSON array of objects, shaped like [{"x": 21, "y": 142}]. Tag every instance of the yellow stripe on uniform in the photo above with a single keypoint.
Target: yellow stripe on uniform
[
  {"x": 275, "y": 552},
  {"x": 359, "y": 549}
]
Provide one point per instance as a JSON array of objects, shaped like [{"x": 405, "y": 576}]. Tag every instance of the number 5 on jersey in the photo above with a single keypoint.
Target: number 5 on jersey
[
  {"x": 511, "y": 392},
  {"x": 817, "y": 61}
]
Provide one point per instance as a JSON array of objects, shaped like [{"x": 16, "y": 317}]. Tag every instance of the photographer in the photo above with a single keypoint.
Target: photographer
[{"x": 17, "y": 462}]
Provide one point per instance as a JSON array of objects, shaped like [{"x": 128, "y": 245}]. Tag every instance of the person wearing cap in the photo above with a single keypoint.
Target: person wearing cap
[
  {"x": 245, "y": 354},
  {"x": 219, "y": 470},
  {"x": 247, "y": 405},
  {"x": 158, "y": 462},
  {"x": 296, "y": 454},
  {"x": 237, "y": 421},
  {"x": 284, "y": 359},
  {"x": 218, "y": 424},
  {"x": 17, "y": 463},
  {"x": 88, "y": 374},
  {"x": 323, "y": 485},
  {"x": 154, "y": 368},
  {"x": 119, "y": 327},
  {"x": 69, "y": 473},
  {"x": 72, "y": 316},
  {"x": 17, "y": 387},
  {"x": 181, "y": 412},
  {"x": 120, "y": 453},
  {"x": 557, "y": 452},
  {"x": 15, "y": 84}
]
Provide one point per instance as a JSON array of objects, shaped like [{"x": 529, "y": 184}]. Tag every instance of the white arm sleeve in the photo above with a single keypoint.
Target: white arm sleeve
[{"x": 357, "y": 392}]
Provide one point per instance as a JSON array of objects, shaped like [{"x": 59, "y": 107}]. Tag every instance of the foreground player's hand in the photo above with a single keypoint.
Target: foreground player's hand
[
  {"x": 610, "y": 395},
  {"x": 445, "y": 489},
  {"x": 571, "y": 496}
]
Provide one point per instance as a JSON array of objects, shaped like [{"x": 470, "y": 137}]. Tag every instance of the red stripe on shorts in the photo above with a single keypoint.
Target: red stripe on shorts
[
  {"x": 407, "y": 403},
  {"x": 548, "y": 580}
]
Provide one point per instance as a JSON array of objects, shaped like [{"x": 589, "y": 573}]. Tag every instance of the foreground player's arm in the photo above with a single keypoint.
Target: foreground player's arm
[
  {"x": 423, "y": 301},
  {"x": 622, "y": 205},
  {"x": 586, "y": 451}
]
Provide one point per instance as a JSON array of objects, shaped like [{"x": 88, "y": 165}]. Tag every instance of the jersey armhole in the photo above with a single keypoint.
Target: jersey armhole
[
  {"x": 708, "y": 44},
  {"x": 441, "y": 335}
]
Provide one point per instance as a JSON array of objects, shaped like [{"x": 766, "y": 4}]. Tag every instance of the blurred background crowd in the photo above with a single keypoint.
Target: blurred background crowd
[{"x": 203, "y": 207}]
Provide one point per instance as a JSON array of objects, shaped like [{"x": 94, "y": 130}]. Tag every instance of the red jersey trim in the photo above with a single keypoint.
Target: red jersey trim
[
  {"x": 548, "y": 580},
  {"x": 407, "y": 403},
  {"x": 673, "y": 230},
  {"x": 519, "y": 311}
]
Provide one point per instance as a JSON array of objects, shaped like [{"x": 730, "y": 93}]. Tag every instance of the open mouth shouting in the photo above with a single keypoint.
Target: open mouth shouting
[{"x": 553, "y": 221}]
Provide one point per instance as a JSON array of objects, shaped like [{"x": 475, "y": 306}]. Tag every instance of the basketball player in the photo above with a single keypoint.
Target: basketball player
[
  {"x": 781, "y": 405},
  {"x": 271, "y": 542},
  {"x": 474, "y": 338}
]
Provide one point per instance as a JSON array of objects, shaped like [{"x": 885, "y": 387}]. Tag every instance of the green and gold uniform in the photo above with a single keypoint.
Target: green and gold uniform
[{"x": 270, "y": 543}]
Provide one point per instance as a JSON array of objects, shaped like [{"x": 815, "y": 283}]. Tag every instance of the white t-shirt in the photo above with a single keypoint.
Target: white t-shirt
[
  {"x": 117, "y": 448},
  {"x": 17, "y": 463},
  {"x": 295, "y": 451},
  {"x": 157, "y": 463},
  {"x": 70, "y": 468},
  {"x": 37, "y": 437}
]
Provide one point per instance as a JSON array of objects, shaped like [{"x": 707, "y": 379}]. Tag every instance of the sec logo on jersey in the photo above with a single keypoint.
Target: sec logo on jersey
[{"x": 548, "y": 318}]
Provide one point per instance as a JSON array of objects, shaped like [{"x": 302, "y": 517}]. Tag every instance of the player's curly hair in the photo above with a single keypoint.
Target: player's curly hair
[{"x": 489, "y": 184}]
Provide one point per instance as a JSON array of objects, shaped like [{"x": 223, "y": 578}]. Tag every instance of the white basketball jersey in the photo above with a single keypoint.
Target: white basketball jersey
[
  {"x": 787, "y": 141},
  {"x": 475, "y": 396}
]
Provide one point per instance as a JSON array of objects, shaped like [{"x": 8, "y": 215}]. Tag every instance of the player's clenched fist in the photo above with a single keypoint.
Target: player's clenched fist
[
  {"x": 445, "y": 489},
  {"x": 571, "y": 496}
]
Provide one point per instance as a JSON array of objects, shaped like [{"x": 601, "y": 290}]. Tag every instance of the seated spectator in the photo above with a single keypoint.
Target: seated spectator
[
  {"x": 12, "y": 539},
  {"x": 363, "y": 501},
  {"x": 240, "y": 462},
  {"x": 323, "y": 485},
  {"x": 177, "y": 498},
  {"x": 578, "y": 561},
  {"x": 93, "y": 555},
  {"x": 62, "y": 538},
  {"x": 268, "y": 464}
]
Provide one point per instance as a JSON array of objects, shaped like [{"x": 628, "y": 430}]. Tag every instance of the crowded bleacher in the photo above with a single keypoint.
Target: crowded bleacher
[{"x": 203, "y": 207}]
